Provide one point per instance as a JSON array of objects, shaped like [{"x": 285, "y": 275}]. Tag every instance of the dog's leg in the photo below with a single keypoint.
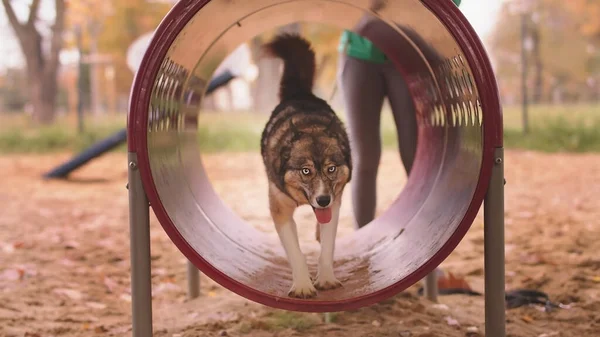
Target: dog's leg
[
  {"x": 302, "y": 286},
  {"x": 282, "y": 213},
  {"x": 325, "y": 276},
  {"x": 318, "y": 233}
]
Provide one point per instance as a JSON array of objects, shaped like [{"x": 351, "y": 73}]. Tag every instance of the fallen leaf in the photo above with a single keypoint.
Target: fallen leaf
[
  {"x": 71, "y": 244},
  {"x": 125, "y": 297},
  {"x": 67, "y": 262},
  {"x": 596, "y": 279},
  {"x": 70, "y": 293},
  {"x": 525, "y": 215},
  {"x": 472, "y": 329},
  {"x": 555, "y": 333},
  {"x": 165, "y": 286},
  {"x": 212, "y": 294},
  {"x": 100, "y": 329},
  {"x": 12, "y": 275},
  {"x": 110, "y": 284},
  {"x": 96, "y": 305},
  {"x": 440, "y": 306},
  {"x": 526, "y": 318},
  {"x": 451, "y": 321},
  {"x": 159, "y": 271},
  {"x": 376, "y": 323},
  {"x": 8, "y": 249},
  {"x": 32, "y": 334}
]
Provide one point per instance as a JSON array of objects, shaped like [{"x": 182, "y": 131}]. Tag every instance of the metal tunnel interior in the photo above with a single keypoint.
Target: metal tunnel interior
[{"x": 457, "y": 108}]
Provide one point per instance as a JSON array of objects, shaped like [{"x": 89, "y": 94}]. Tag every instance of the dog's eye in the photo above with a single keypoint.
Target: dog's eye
[
  {"x": 331, "y": 169},
  {"x": 305, "y": 171}
]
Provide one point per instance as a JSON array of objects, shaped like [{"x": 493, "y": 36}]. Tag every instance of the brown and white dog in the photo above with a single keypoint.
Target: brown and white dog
[{"x": 307, "y": 158}]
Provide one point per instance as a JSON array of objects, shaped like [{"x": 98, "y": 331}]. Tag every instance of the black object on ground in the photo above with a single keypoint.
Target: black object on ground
[{"x": 120, "y": 137}]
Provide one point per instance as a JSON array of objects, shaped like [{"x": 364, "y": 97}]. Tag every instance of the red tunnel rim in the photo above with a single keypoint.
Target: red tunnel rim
[{"x": 476, "y": 56}]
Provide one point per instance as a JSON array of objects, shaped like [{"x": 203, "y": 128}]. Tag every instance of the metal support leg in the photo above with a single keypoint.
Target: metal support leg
[
  {"x": 430, "y": 288},
  {"x": 493, "y": 223},
  {"x": 139, "y": 231},
  {"x": 193, "y": 276}
]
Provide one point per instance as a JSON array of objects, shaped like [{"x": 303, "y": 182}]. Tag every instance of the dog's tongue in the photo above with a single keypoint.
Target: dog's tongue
[{"x": 323, "y": 215}]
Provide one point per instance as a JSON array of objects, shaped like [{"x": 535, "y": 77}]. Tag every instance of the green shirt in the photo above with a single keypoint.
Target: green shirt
[{"x": 361, "y": 48}]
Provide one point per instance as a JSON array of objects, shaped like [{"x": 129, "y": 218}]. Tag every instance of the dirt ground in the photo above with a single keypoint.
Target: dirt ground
[{"x": 64, "y": 256}]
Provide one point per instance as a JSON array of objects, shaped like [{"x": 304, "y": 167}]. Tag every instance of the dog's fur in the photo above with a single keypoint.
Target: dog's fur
[{"x": 306, "y": 153}]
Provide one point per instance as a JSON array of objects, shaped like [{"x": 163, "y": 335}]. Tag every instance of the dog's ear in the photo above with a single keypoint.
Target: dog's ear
[
  {"x": 296, "y": 133},
  {"x": 281, "y": 164},
  {"x": 332, "y": 129},
  {"x": 282, "y": 159}
]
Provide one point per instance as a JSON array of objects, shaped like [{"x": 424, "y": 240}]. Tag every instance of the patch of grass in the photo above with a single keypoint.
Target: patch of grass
[
  {"x": 292, "y": 320},
  {"x": 553, "y": 128},
  {"x": 50, "y": 139},
  {"x": 279, "y": 320},
  {"x": 17, "y": 135},
  {"x": 236, "y": 138},
  {"x": 333, "y": 317},
  {"x": 557, "y": 135},
  {"x": 587, "y": 114}
]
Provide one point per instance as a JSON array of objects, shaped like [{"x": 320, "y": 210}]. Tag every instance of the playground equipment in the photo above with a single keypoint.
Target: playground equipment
[
  {"x": 459, "y": 160},
  {"x": 118, "y": 138}
]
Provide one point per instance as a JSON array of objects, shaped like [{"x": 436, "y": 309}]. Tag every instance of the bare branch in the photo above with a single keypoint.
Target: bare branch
[
  {"x": 33, "y": 12},
  {"x": 56, "y": 43},
  {"x": 12, "y": 17}
]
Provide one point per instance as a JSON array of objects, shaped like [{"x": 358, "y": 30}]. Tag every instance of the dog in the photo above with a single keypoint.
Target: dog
[{"x": 307, "y": 158}]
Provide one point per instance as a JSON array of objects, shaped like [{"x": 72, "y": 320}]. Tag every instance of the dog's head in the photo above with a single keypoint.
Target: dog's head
[{"x": 318, "y": 166}]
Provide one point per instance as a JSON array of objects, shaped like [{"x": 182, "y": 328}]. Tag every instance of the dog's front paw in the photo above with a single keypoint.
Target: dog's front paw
[
  {"x": 327, "y": 282},
  {"x": 302, "y": 290}
]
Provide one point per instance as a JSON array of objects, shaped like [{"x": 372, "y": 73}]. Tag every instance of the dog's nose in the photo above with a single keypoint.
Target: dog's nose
[{"x": 323, "y": 200}]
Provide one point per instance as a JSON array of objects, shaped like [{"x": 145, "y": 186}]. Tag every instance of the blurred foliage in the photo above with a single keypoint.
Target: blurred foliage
[
  {"x": 325, "y": 40},
  {"x": 564, "y": 53},
  {"x": 13, "y": 90},
  {"x": 129, "y": 20},
  {"x": 114, "y": 25},
  {"x": 588, "y": 14}
]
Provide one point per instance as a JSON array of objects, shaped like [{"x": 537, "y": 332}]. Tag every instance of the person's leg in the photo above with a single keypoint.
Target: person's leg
[
  {"x": 403, "y": 111},
  {"x": 361, "y": 86}
]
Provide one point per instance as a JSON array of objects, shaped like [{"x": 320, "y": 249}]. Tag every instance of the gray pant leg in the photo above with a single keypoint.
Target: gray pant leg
[
  {"x": 403, "y": 111},
  {"x": 362, "y": 87}
]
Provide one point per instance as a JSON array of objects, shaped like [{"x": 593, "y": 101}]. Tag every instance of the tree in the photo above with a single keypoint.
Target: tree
[
  {"x": 587, "y": 12},
  {"x": 42, "y": 66},
  {"x": 558, "y": 52},
  {"x": 13, "y": 89},
  {"x": 124, "y": 23}
]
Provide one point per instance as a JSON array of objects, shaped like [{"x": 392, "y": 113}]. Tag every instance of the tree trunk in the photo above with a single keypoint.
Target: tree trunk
[
  {"x": 43, "y": 94},
  {"x": 42, "y": 68},
  {"x": 538, "y": 67}
]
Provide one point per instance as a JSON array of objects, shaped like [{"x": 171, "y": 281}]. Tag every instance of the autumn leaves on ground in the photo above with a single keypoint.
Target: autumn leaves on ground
[{"x": 64, "y": 256}]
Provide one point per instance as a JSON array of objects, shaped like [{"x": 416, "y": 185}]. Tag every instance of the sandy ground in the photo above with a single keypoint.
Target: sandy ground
[{"x": 64, "y": 256}]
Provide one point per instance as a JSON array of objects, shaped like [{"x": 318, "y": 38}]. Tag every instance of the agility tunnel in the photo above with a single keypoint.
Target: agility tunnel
[{"x": 459, "y": 155}]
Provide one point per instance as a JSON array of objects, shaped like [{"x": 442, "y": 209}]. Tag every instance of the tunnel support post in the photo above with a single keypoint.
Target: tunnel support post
[
  {"x": 430, "y": 288},
  {"x": 193, "y": 276},
  {"x": 493, "y": 223},
  {"x": 139, "y": 232}
]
